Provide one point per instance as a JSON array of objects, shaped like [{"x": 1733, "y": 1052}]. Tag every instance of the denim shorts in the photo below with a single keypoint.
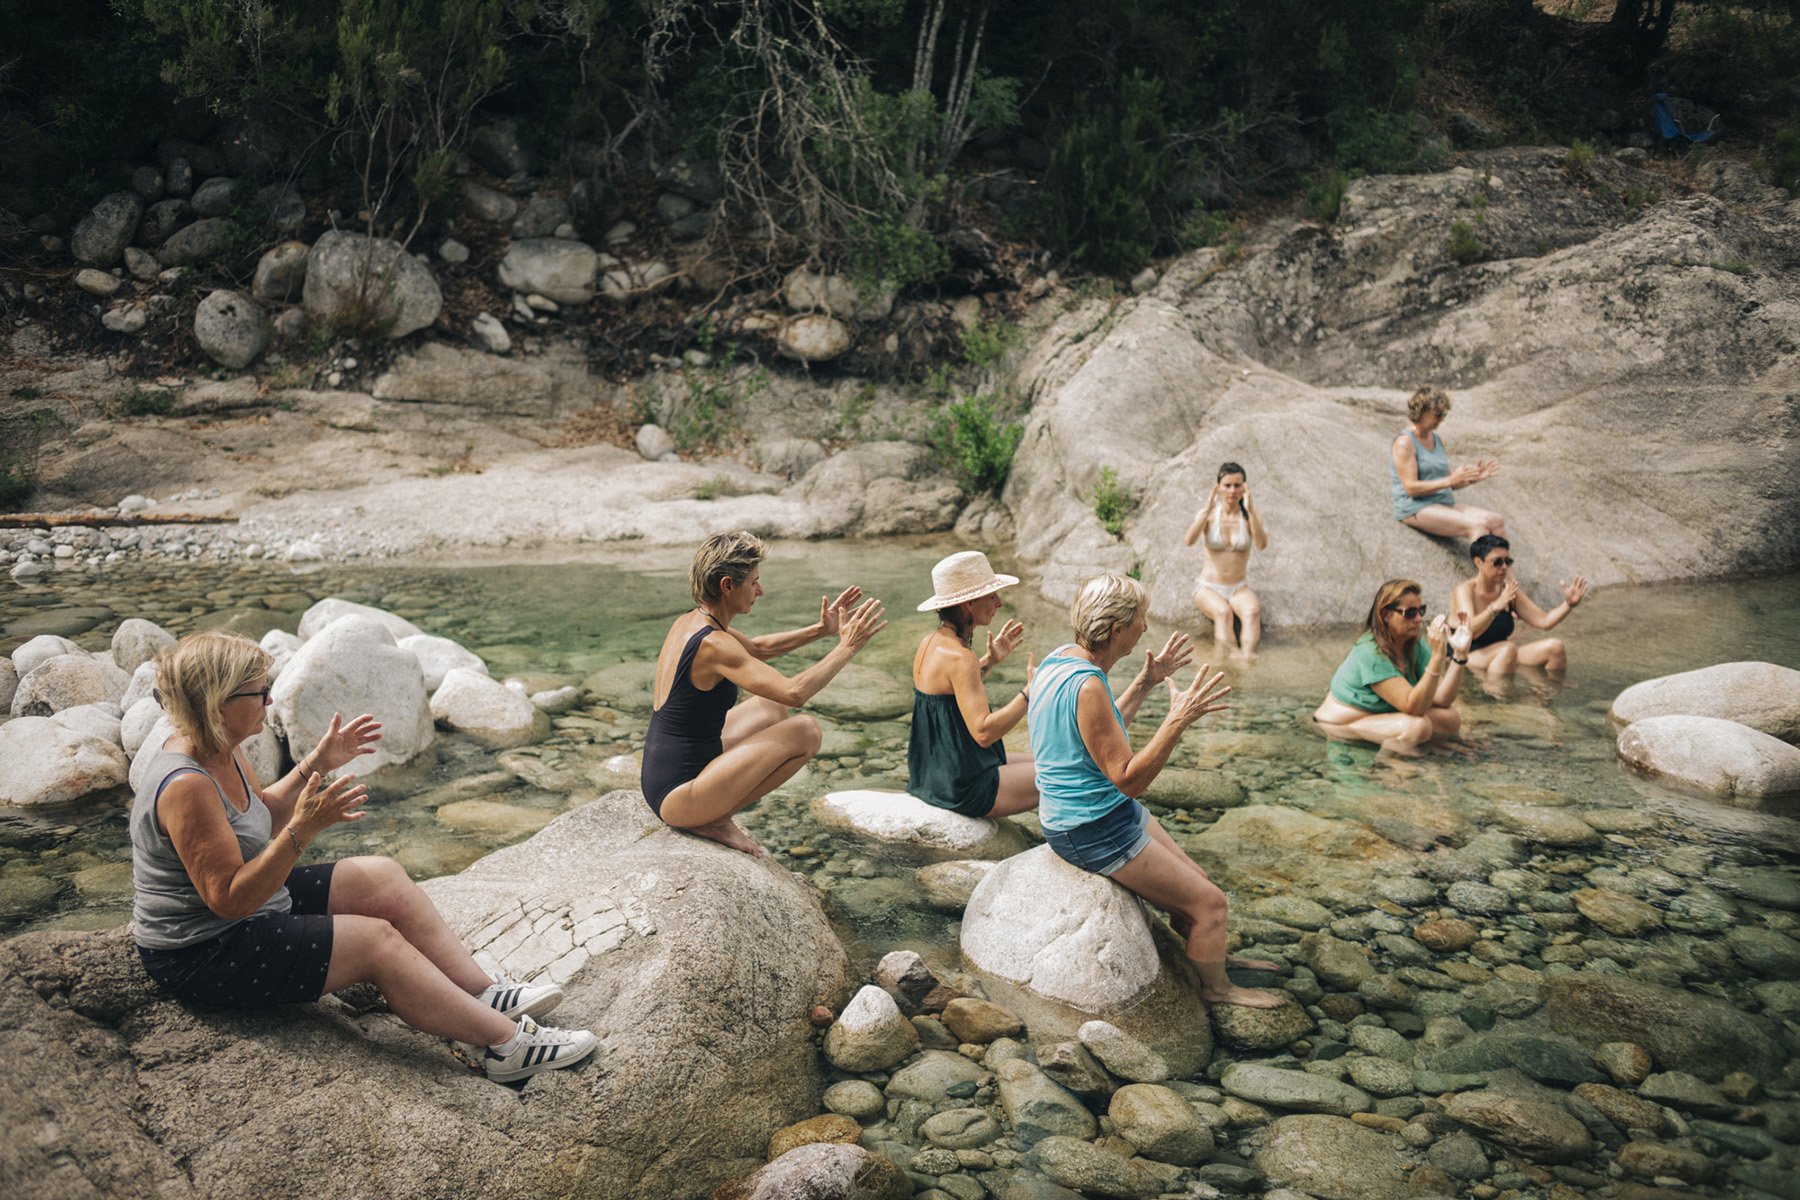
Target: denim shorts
[{"x": 1106, "y": 843}]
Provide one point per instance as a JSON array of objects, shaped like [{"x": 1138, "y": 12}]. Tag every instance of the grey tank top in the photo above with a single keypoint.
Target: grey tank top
[{"x": 167, "y": 913}]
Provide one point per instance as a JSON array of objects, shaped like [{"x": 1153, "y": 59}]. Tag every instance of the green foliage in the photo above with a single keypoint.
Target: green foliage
[
  {"x": 1111, "y": 503},
  {"x": 21, "y": 435},
  {"x": 1463, "y": 244},
  {"x": 890, "y": 249},
  {"x": 977, "y": 441},
  {"x": 146, "y": 402},
  {"x": 1202, "y": 227},
  {"x": 1108, "y": 177},
  {"x": 1580, "y": 159},
  {"x": 1735, "y": 266},
  {"x": 1782, "y": 162},
  {"x": 1325, "y": 194},
  {"x": 856, "y": 409},
  {"x": 1636, "y": 197},
  {"x": 1370, "y": 141},
  {"x": 709, "y": 489},
  {"x": 705, "y": 411},
  {"x": 983, "y": 346}
]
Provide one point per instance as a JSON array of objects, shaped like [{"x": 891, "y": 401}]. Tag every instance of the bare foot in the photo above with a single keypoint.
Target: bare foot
[
  {"x": 1251, "y": 964},
  {"x": 1247, "y": 997},
  {"x": 726, "y": 832}
]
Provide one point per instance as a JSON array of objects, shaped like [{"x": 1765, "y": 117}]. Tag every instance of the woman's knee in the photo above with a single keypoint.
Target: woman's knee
[
  {"x": 1495, "y": 524},
  {"x": 1206, "y": 904},
  {"x": 364, "y": 944},
  {"x": 804, "y": 734},
  {"x": 1556, "y": 655},
  {"x": 1414, "y": 731},
  {"x": 1506, "y": 657},
  {"x": 1446, "y": 721}
]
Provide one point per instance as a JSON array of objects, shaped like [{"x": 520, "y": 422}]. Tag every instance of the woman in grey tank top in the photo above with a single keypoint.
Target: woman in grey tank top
[{"x": 223, "y": 914}]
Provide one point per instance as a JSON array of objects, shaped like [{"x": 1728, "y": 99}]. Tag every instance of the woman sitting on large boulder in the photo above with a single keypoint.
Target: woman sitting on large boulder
[{"x": 224, "y": 916}]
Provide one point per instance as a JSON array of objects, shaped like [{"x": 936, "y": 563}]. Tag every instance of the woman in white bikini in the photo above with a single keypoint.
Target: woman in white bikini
[{"x": 1230, "y": 525}]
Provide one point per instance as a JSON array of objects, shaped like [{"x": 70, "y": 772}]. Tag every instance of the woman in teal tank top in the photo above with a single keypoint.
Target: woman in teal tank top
[
  {"x": 1090, "y": 778},
  {"x": 1423, "y": 482},
  {"x": 1397, "y": 686},
  {"x": 955, "y": 758}
]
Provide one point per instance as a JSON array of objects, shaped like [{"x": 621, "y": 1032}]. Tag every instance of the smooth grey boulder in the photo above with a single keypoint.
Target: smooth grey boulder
[
  {"x": 1712, "y": 755},
  {"x": 1272, "y": 849},
  {"x": 330, "y": 609},
  {"x": 471, "y": 702},
  {"x": 1160, "y": 1124},
  {"x": 200, "y": 242},
  {"x": 487, "y": 204},
  {"x": 814, "y": 337},
  {"x": 137, "y": 641},
  {"x": 437, "y": 656},
  {"x": 353, "y": 666},
  {"x": 1332, "y": 1158},
  {"x": 1299, "y": 1090},
  {"x": 94, "y": 720},
  {"x": 161, "y": 220},
  {"x": 948, "y": 885},
  {"x": 369, "y": 284},
  {"x": 1060, "y": 946},
  {"x": 281, "y": 273},
  {"x": 705, "y": 1043},
  {"x": 45, "y": 762},
  {"x": 9, "y": 682},
  {"x": 66, "y": 681},
  {"x": 216, "y": 197},
  {"x": 1537, "y": 1129},
  {"x": 881, "y": 487},
  {"x": 1038, "y": 1107},
  {"x": 806, "y": 290},
  {"x": 904, "y": 826},
  {"x": 822, "y": 1171},
  {"x": 540, "y": 216},
  {"x": 562, "y": 269},
  {"x": 101, "y": 236},
  {"x": 870, "y": 1034},
  {"x": 1762, "y": 695},
  {"x": 41, "y": 649},
  {"x": 1683, "y": 1031},
  {"x": 231, "y": 329}
]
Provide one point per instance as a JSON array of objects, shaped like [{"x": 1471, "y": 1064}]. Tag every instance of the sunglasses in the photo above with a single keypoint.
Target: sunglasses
[
  {"x": 1502, "y": 561},
  {"x": 263, "y": 695},
  {"x": 1410, "y": 611}
]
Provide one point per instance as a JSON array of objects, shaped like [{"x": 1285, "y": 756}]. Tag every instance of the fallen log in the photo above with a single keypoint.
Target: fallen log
[{"x": 53, "y": 520}]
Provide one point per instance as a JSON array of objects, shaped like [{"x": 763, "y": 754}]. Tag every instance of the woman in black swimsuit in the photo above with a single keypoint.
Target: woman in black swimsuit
[
  {"x": 706, "y": 757},
  {"x": 1495, "y": 606}
]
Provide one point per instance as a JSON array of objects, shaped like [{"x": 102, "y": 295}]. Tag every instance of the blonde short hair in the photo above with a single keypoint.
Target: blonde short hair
[
  {"x": 1106, "y": 604},
  {"x": 1427, "y": 399},
  {"x": 196, "y": 675},
  {"x": 724, "y": 556}
]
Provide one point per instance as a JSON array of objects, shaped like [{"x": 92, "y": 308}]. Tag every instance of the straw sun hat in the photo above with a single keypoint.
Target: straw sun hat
[{"x": 964, "y": 576}]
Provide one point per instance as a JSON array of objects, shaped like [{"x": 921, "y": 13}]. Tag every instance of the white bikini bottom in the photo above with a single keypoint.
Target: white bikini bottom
[{"x": 1225, "y": 590}]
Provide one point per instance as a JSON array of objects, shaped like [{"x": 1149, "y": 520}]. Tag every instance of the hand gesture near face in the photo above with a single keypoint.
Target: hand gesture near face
[
  {"x": 831, "y": 612},
  {"x": 319, "y": 808},
  {"x": 1001, "y": 644},
  {"x": 1575, "y": 593},
  {"x": 1201, "y": 697},
  {"x": 1249, "y": 504},
  {"x": 342, "y": 743},
  {"x": 1177, "y": 652},
  {"x": 1509, "y": 591},
  {"x": 1460, "y": 636},
  {"x": 1437, "y": 634},
  {"x": 861, "y": 623}
]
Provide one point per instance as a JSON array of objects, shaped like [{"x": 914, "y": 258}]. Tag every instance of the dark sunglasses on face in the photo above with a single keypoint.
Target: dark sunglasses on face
[
  {"x": 1410, "y": 611},
  {"x": 1501, "y": 561},
  {"x": 263, "y": 695}
]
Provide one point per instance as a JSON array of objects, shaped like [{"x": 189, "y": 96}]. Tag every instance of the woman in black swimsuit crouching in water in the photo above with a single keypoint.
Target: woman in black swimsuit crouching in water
[{"x": 704, "y": 759}]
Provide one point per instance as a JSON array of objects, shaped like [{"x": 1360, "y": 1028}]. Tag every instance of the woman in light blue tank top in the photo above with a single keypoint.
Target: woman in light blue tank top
[
  {"x": 1423, "y": 482},
  {"x": 1089, "y": 778}
]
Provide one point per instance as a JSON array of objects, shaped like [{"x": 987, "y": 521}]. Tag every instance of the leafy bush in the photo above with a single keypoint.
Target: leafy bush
[
  {"x": 1108, "y": 176},
  {"x": 1463, "y": 244},
  {"x": 147, "y": 402},
  {"x": 1580, "y": 158},
  {"x": 1202, "y": 227},
  {"x": 978, "y": 443},
  {"x": 1369, "y": 141},
  {"x": 1783, "y": 158},
  {"x": 1325, "y": 195},
  {"x": 1111, "y": 503},
  {"x": 983, "y": 346}
]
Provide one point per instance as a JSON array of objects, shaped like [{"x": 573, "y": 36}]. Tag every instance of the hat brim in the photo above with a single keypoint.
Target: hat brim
[{"x": 987, "y": 589}]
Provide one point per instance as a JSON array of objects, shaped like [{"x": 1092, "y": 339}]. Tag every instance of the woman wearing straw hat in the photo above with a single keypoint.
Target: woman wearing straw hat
[{"x": 956, "y": 759}]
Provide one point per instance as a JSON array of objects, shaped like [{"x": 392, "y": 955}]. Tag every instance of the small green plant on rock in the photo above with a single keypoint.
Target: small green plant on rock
[
  {"x": 29, "y": 391},
  {"x": 1463, "y": 244},
  {"x": 146, "y": 402},
  {"x": 20, "y": 437},
  {"x": 1111, "y": 502},
  {"x": 1734, "y": 266},
  {"x": 1326, "y": 195},
  {"x": 985, "y": 345},
  {"x": 709, "y": 489},
  {"x": 1580, "y": 158},
  {"x": 978, "y": 443}
]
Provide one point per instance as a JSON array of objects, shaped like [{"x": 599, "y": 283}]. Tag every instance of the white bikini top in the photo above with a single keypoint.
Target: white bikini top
[{"x": 1215, "y": 536}]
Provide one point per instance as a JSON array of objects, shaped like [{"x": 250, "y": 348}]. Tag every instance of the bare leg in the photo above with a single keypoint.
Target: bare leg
[
  {"x": 379, "y": 887},
  {"x": 1395, "y": 733},
  {"x": 1183, "y": 924},
  {"x": 370, "y": 950},
  {"x": 752, "y": 716},
  {"x": 1456, "y": 521},
  {"x": 1248, "y": 607},
  {"x": 1167, "y": 878},
  {"x": 1215, "y": 606},
  {"x": 1548, "y": 653},
  {"x": 1446, "y": 723},
  {"x": 1018, "y": 787},
  {"x": 738, "y": 778}
]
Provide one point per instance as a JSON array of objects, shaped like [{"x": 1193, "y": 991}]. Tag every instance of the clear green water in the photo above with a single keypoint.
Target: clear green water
[{"x": 602, "y": 620}]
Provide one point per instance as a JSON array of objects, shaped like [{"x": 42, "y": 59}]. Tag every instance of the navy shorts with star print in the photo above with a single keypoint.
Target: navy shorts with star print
[{"x": 279, "y": 958}]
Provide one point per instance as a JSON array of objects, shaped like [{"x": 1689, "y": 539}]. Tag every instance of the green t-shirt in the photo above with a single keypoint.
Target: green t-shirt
[{"x": 1366, "y": 666}]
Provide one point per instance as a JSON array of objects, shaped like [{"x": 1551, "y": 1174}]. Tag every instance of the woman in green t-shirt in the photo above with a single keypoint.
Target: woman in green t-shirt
[{"x": 1396, "y": 687}]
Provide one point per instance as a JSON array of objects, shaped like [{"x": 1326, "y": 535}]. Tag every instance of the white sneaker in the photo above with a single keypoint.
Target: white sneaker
[
  {"x": 517, "y": 1000},
  {"x": 540, "y": 1048}
]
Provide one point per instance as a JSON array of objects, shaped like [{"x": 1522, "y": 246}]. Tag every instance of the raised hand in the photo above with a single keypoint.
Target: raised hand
[
  {"x": 1177, "y": 652},
  {"x": 1201, "y": 697},
  {"x": 1437, "y": 634},
  {"x": 1509, "y": 591},
  {"x": 342, "y": 743},
  {"x": 1005, "y": 642},
  {"x": 1487, "y": 468},
  {"x": 831, "y": 612},
  {"x": 1249, "y": 504},
  {"x": 319, "y": 808},
  {"x": 1461, "y": 636},
  {"x": 1574, "y": 593},
  {"x": 862, "y": 623}
]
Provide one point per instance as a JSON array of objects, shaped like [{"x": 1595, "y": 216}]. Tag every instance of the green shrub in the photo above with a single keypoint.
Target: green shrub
[
  {"x": 1783, "y": 159},
  {"x": 984, "y": 346},
  {"x": 1369, "y": 141},
  {"x": 1325, "y": 194},
  {"x": 1463, "y": 244},
  {"x": 1202, "y": 227},
  {"x": 978, "y": 443},
  {"x": 1108, "y": 177},
  {"x": 709, "y": 489},
  {"x": 1580, "y": 158},
  {"x": 1111, "y": 503},
  {"x": 1734, "y": 266},
  {"x": 146, "y": 402}
]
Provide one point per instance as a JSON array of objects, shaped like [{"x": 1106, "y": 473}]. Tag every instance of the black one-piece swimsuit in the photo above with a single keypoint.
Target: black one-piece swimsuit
[{"x": 685, "y": 732}]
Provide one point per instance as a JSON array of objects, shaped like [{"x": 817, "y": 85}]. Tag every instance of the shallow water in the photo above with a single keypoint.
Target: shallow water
[{"x": 603, "y": 620}]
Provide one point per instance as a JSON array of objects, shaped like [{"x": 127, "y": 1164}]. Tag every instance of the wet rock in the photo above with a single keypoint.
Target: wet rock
[
  {"x": 932, "y": 1075},
  {"x": 353, "y": 666},
  {"x": 65, "y": 681},
  {"x": 1681, "y": 1090},
  {"x": 906, "y": 826},
  {"x": 231, "y": 329},
  {"x": 559, "y": 268},
  {"x": 870, "y": 1034},
  {"x": 1332, "y": 1158},
  {"x": 948, "y": 885},
  {"x": 1537, "y": 1130},
  {"x": 1093, "y": 1171},
  {"x": 829, "y": 1129},
  {"x": 980, "y": 1022},
  {"x": 1681, "y": 1030},
  {"x": 1074, "y": 1067},
  {"x": 1160, "y": 1124},
  {"x": 1627, "y": 1062},
  {"x": 1765, "y": 885},
  {"x": 1473, "y": 897},
  {"x": 1337, "y": 963},
  {"x": 492, "y": 819},
  {"x": 102, "y": 235},
  {"x": 1712, "y": 755},
  {"x": 136, "y": 641},
  {"x": 42, "y": 762},
  {"x": 1380, "y": 1076},
  {"x": 904, "y": 975},
  {"x": 821, "y": 1171},
  {"x": 1761, "y": 695},
  {"x": 1618, "y": 915},
  {"x": 1259, "y": 1028},
  {"x": 1544, "y": 1059},
  {"x": 438, "y": 656},
  {"x": 1273, "y": 849},
  {"x": 369, "y": 284},
  {"x": 855, "y": 1098},
  {"x": 1297, "y": 1090},
  {"x": 1122, "y": 1054},
  {"x": 1296, "y": 911},
  {"x": 1038, "y": 1107},
  {"x": 1460, "y": 1157},
  {"x": 1179, "y": 788},
  {"x": 1654, "y": 1160},
  {"x": 1765, "y": 952},
  {"x": 281, "y": 273},
  {"x": 1553, "y": 827},
  {"x": 1622, "y": 1108},
  {"x": 960, "y": 1129}
]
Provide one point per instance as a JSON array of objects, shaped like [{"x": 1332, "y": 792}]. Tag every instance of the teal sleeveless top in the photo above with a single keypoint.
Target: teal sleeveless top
[
  {"x": 1072, "y": 788},
  {"x": 1433, "y": 464}
]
